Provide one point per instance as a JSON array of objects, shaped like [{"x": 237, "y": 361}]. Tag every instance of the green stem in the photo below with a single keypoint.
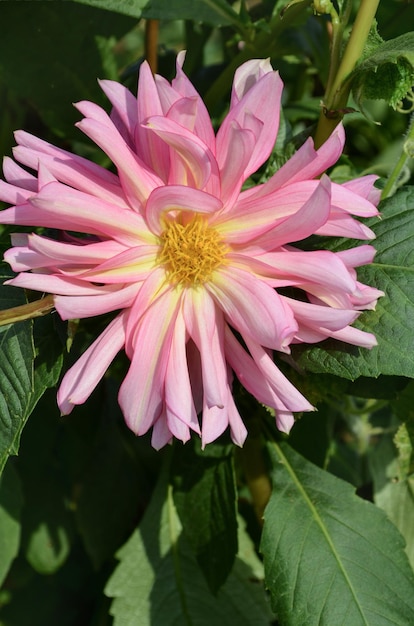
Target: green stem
[
  {"x": 407, "y": 152},
  {"x": 337, "y": 97},
  {"x": 27, "y": 311}
]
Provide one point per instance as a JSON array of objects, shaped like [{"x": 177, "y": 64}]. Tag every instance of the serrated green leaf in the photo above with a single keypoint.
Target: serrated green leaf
[
  {"x": 397, "y": 500},
  {"x": 393, "y": 320},
  {"x": 330, "y": 557},
  {"x": 387, "y": 73},
  {"x": 21, "y": 384},
  {"x": 11, "y": 501},
  {"x": 159, "y": 582},
  {"x": 205, "y": 498},
  {"x": 132, "y": 8}
]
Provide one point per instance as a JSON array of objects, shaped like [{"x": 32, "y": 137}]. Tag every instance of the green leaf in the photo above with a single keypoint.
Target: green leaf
[
  {"x": 21, "y": 385},
  {"x": 330, "y": 557},
  {"x": 209, "y": 11},
  {"x": 112, "y": 490},
  {"x": 132, "y": 8},
  {"x": 205, "y": 498},
  {"x": 387, "y": 73},
  {"x": 59, "y": 62},
  {"x": 47, "y": 525},
  {"x": 393, "y": 320},
  {"x": 11, "y": 500},
  {"x": 158, "y": 580},
  {"x": 397, "y": 500}
]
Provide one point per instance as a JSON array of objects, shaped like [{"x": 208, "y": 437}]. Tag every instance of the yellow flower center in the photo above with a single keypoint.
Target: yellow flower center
[{"x": 191, "y": 252}]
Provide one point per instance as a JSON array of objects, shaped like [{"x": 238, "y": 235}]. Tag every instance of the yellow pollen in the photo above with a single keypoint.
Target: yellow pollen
[{"x": 191, "y": 252}]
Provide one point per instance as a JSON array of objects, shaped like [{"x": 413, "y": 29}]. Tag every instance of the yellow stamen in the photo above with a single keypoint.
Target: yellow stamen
[{"x": 191, "y": 252}]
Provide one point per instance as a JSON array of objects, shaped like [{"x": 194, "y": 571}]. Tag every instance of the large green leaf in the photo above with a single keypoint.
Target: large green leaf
[
  {"x": 331, "y": 558},
  {"x": 205, "y": 497},
  {"x": 59, "y": 62},
  {"x": 393, "y": 320},
  {"x": 158, "y": 580},
  {"x": 21, "y": 385},
  {"x": 214, "y": 12},
  {"x": 11, "y": 501}
]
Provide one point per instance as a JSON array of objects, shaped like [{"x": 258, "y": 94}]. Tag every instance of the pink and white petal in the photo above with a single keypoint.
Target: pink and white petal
[
  {"x": 124, "y": 103},
  {"x": 161, "y": 434},
  {"x": 131, "y": 265},
  {"x": 178, "y": 393},
  {"x": 70, "y": 169},
  {"x": 238, "y": 430},
  {"x": 340, "y": 224},
  {"x": 354, "y": 204},
  {"x": 284, "y": 421},
  {"x": 355, "y": 257},
  {"x": 356, "y": 337},
  {"x": 13, "y": 195},
  {"x": 205, "y": 325},
  {"x": 82, "y": 378},
  {"x": 16, "y": 175},
  {"x": 149, "y": 292},
  {"x": 321, "y": 267},
  {"x": 177, "y": 198},
  {"x": 200, "y": 163},
  {"x": 246, "y": 76},
  {"x": 64, "y": 253},
  {"x": 58, "y": 206},
  {"x": 272, "y": 233},
  {"x": 364, "y": 186},
  {"x": 62, "y": 285},
  {"x": 136, "y": 178},
  {"x": 233, "y": 160},
  {"x": 253, "y": 308},
  {"x": 141, "y": 394},
  {"x": 214, "y": 422},
  {"x": 290, "y": 397},
  {"x": 202, "y": 124},
  {"x": 316, "y": 316},
  {"x": 261, "y": 101},
  {"x": 81, "y": 306}
]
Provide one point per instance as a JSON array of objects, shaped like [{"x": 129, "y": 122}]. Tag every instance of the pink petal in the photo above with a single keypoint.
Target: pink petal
[
  {"x": 82, "y": 378},
  {"x": 204, "y": 323},
  {"x": 253, "y": 308},
  {"x": 141, "y": 393},
  {"x": 177, "y": 198},
  {"x": 81, "y": 306}
]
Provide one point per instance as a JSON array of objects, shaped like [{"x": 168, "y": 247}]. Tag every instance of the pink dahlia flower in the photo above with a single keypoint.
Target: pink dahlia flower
[{"x": 191, "y": 262}]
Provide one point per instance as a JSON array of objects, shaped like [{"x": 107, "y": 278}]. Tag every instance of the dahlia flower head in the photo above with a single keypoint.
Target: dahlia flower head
[{"x": 190, "y": 262}]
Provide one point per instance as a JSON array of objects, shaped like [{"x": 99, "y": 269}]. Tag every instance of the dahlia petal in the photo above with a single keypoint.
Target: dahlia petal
[
  {"x": 233, "y": 161},
  {"x": 199, "y": 161},
  {"x": 253, "y": 308},
  {"x": 13, "y": 195},
  {"x": 260, "y": 101},
  {"x": 289, "y": 395},
  {"x": 177, "y": 197},
  {"x": 238, "y": 430},
  {"x": 58, "y": 206},
  {"x": 124, "y": 103},
  {"x": 341, "y": 225},
  {"x": 16, "y": 175},
  {"x": 132, "y": 264},
  {"x": 141, "y": 393},
  {"x": 82, "y": 378},
  {"x": 246, "y": 76},
  {"x": 81, "y": 306},
  {"x": 316, "y": 316},
  {"x": 178, "y": 394},
  {"x": 161, "y": 434},
  {"x": 69, "y": 168},
  {"x": 364, "y": 186},
  {"x": 62, "y": 285},
  {"x": 214, "y": 423},
  {"x": 356, "y": 337},
  {"x": 205, "y": 326},
  {"x": 136, "y": 178},
  {"x": 271, "y": 234}
]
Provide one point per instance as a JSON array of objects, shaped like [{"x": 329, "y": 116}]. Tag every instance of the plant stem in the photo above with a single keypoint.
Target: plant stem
[
  {"x": 337, "y": 96},
  {"x": 151, "y": 44},
  {"x": 27, "y": 311},
  {"x": 407, "y": 152}
]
